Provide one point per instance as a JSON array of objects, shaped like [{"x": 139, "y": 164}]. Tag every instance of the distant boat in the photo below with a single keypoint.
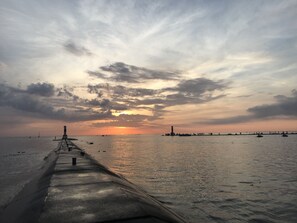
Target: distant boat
[
  {"x": 284, "y": 135},
  {"x": 90, "y": 143},
  {"x": 259, "y": 135}
]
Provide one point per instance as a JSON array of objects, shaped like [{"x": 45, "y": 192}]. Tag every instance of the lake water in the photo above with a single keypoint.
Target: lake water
[
  {"x": 20, "y": 160},
  {"x": 204, "y": 179}
]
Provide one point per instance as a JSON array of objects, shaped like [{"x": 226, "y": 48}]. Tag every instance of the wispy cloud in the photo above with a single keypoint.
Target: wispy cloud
[{"x": 73, "y": 48}]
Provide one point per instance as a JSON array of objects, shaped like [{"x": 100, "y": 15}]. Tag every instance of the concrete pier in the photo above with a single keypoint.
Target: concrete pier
[{"x": 87, "y": 192}]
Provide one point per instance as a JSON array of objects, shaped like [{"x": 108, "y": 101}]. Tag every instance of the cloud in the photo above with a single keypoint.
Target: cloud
[
  {"x": 285, "y": 107},
  {"x": 23, "y": 101},
  {"x": 106, "y": 104},
  {"x": 121, "y": 72},
  {"x": 198, "y": 86},
  {"x": 96, "y": 89},
  {"x": 32, "y": 102},
  {"x": 75, "y": 49},
  {"x": 65, "y": 92},
  {"x": 42, "y": 89},
  {"x": 132, "y": 92},
  {"x": 97, "y": 74},
  {"x": 192, "y": 91},
  {"x": 195, "y": 91},
  {"x": 156, "y": 101},
  {"x": 120, "y": 91},
  {"x": 187, "y": 91}
]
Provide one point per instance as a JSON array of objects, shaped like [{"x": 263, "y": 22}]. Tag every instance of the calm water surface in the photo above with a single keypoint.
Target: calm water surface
[
  {"x": 211, "y": 179},
  {"x": 206, "y": 179},
  {"x": 20, "y": 160}
]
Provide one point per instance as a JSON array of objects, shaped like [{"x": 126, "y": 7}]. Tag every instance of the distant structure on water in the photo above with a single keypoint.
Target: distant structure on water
[
  {"x": 258, "y": 134},
  {"x": 172, "y": 132},
  {"x": 64, "y": 137},
  {"x": 65, "y": 133}
]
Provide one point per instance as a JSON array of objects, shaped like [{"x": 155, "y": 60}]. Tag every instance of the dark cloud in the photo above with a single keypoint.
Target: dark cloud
[
  {"x": 72, "y": 101},
  {"x": 106, "y": 104},
  {"x": 95, "y": 89},
  {"x": 48, "y": 108},
  {"x": 102, "y": 103},
  {"x": 97, "y": 74},
  {"x": 150, "y": 101},
  {"x": 75, "y": 49},
  {"x": 198, "y": 86},
  {"x": 194, "y": 91},
  {"x": 23, "y": 101},
  {"x": 42, "y": 89},
  {"x": 285, "y": 107},
  {"x": 120, "y": 91},
  {"x": 66, "y": 92},
  {"x": 133, "y": 92},
  {"x": 118, "y": 107},
  {"x": 189, "y": 91},
  {"x": 121, "y": 72}
]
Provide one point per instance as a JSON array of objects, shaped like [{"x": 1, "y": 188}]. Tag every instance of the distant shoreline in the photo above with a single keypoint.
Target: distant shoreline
[
  {"x": 232, "y": 134},
  {"x": 177, "y": 134}
]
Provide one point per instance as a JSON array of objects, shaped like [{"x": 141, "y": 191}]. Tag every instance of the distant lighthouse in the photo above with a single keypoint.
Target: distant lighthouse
[
  {"x": 172, "y": 132},
  {"x": 65, "y": 133}
]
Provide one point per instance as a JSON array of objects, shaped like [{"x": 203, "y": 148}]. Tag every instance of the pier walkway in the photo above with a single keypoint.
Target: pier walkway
[
  {"x": 89, "y": 192},
  {"x": 72, "y": 187}
]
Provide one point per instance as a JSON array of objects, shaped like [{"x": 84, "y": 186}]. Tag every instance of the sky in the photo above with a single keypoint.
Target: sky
[{"x": 138, "y": 67}]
